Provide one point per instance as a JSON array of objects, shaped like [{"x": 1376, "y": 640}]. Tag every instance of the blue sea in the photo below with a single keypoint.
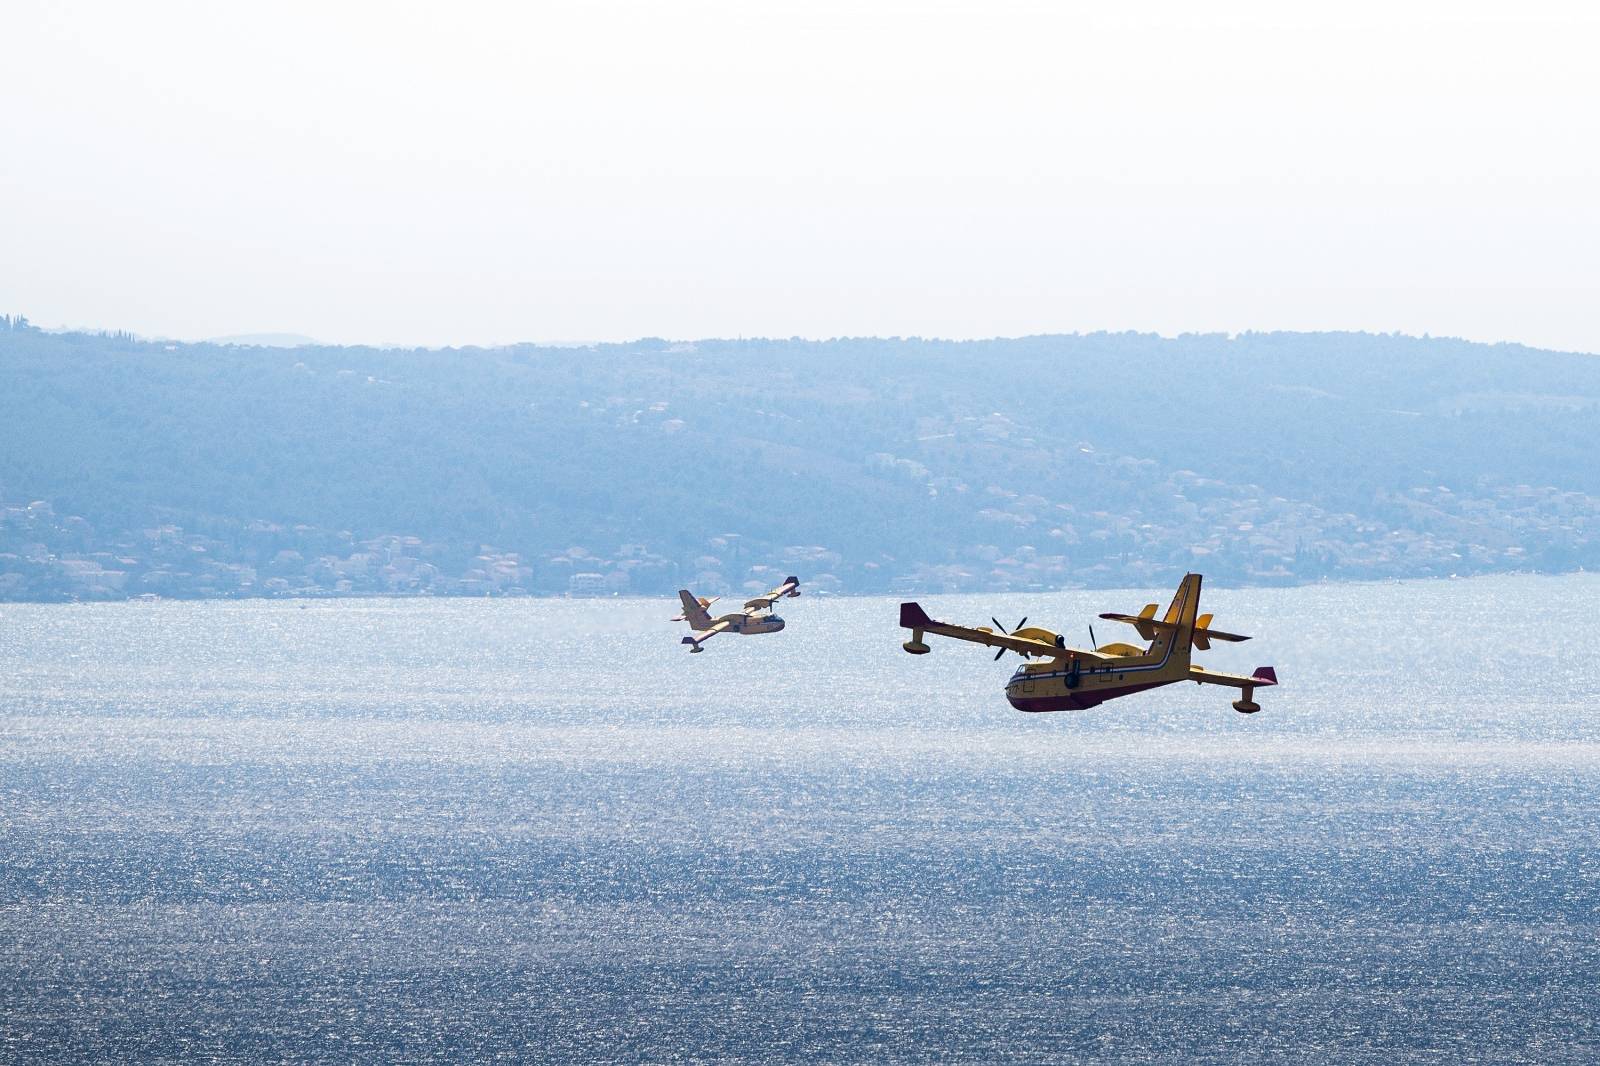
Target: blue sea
[{"x": 427, "y": 830}]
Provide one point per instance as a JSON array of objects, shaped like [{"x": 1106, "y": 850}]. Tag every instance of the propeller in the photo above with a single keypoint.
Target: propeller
[
  {"x": 1002, "y": 629},
  {"x": 1094, "y": 645}
]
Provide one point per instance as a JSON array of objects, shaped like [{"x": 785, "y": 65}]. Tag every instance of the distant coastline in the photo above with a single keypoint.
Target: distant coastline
[{"x": 134, "y": 468}]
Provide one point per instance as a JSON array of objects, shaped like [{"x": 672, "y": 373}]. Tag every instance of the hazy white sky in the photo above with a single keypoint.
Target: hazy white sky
[{"x": 479, "y": 173}]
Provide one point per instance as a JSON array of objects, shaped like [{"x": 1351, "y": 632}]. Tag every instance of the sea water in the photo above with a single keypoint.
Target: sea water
[{"x": 532, "y": 829}]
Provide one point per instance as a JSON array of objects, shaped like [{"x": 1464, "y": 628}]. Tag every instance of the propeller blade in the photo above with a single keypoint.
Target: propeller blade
[
  {"x": 999, "y": 653},
  {"x": 997, "y": 624},
  {"x": 1092, "y": 643},
  {"x": 1021, "y": 623}
]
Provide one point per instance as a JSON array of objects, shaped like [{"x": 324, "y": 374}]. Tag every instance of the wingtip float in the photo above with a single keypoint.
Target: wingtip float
[{"x": 1073, "y": 679}]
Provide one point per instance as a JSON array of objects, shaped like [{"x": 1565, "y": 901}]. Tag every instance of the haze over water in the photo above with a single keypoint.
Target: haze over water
[{"x": 418, "y": 829}]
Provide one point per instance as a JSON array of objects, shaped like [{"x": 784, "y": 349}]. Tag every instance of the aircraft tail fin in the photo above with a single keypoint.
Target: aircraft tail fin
[
  {"x": 694, "y": 611},
  {"x": 1182, "y": 614}
]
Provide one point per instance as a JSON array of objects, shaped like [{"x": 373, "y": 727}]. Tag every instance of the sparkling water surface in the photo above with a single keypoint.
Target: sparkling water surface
[{"x": 410, "y": 830}]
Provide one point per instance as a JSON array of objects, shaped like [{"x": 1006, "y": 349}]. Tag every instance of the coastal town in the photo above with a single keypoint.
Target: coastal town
[{"x": 47, "y": 555}]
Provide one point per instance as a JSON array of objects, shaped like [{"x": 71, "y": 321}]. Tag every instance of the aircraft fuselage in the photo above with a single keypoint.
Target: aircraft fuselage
[
  {"x": 751, "y": 624},
  {"x": 1077, "y": 685}
]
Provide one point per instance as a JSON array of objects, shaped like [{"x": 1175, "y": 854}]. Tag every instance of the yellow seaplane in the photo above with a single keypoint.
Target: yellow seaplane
[
  {"x": 1073, "y": 679},
  {"x": 748, "y": 621}
]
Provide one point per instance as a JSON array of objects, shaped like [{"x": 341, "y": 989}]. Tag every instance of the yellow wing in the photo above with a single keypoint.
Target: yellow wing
[
  {"x": 704, "y": 635},
  {"x": 914, "y": 618},
  {"x": 1264, "y": 677},
  {"x": 790, "y": 587}
]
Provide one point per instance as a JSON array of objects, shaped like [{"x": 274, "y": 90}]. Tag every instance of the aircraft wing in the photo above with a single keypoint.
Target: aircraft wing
[
  {"x": 914, "y": 618},
  {"x": 704, "y": 635},
  {"x": 790, "y": 587},
  {"x": 1263, "y": 677}
]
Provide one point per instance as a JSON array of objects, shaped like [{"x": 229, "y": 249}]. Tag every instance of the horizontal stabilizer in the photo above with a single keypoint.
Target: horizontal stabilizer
[
  {"x": 1144, "y": 623},
  {"x": 1148, "y": 627}
]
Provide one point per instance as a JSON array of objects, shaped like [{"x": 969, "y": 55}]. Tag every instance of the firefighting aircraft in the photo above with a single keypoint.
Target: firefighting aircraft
[
  {"x": 750, "y": 620},
  {"x": 1073, "y": 679}
]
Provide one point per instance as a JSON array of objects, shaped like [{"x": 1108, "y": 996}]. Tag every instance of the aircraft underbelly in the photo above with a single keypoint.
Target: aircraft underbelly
[{"x": 1057, "y": 697}]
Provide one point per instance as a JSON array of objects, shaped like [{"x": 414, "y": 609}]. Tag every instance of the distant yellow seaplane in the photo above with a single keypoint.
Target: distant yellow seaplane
[
  {"x": 748, "y": 621},
  {"x": 1073, "y": 679}
]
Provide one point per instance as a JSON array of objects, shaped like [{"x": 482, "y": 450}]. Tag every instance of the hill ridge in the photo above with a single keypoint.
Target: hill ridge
[{"x": 131, "y": 467}]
